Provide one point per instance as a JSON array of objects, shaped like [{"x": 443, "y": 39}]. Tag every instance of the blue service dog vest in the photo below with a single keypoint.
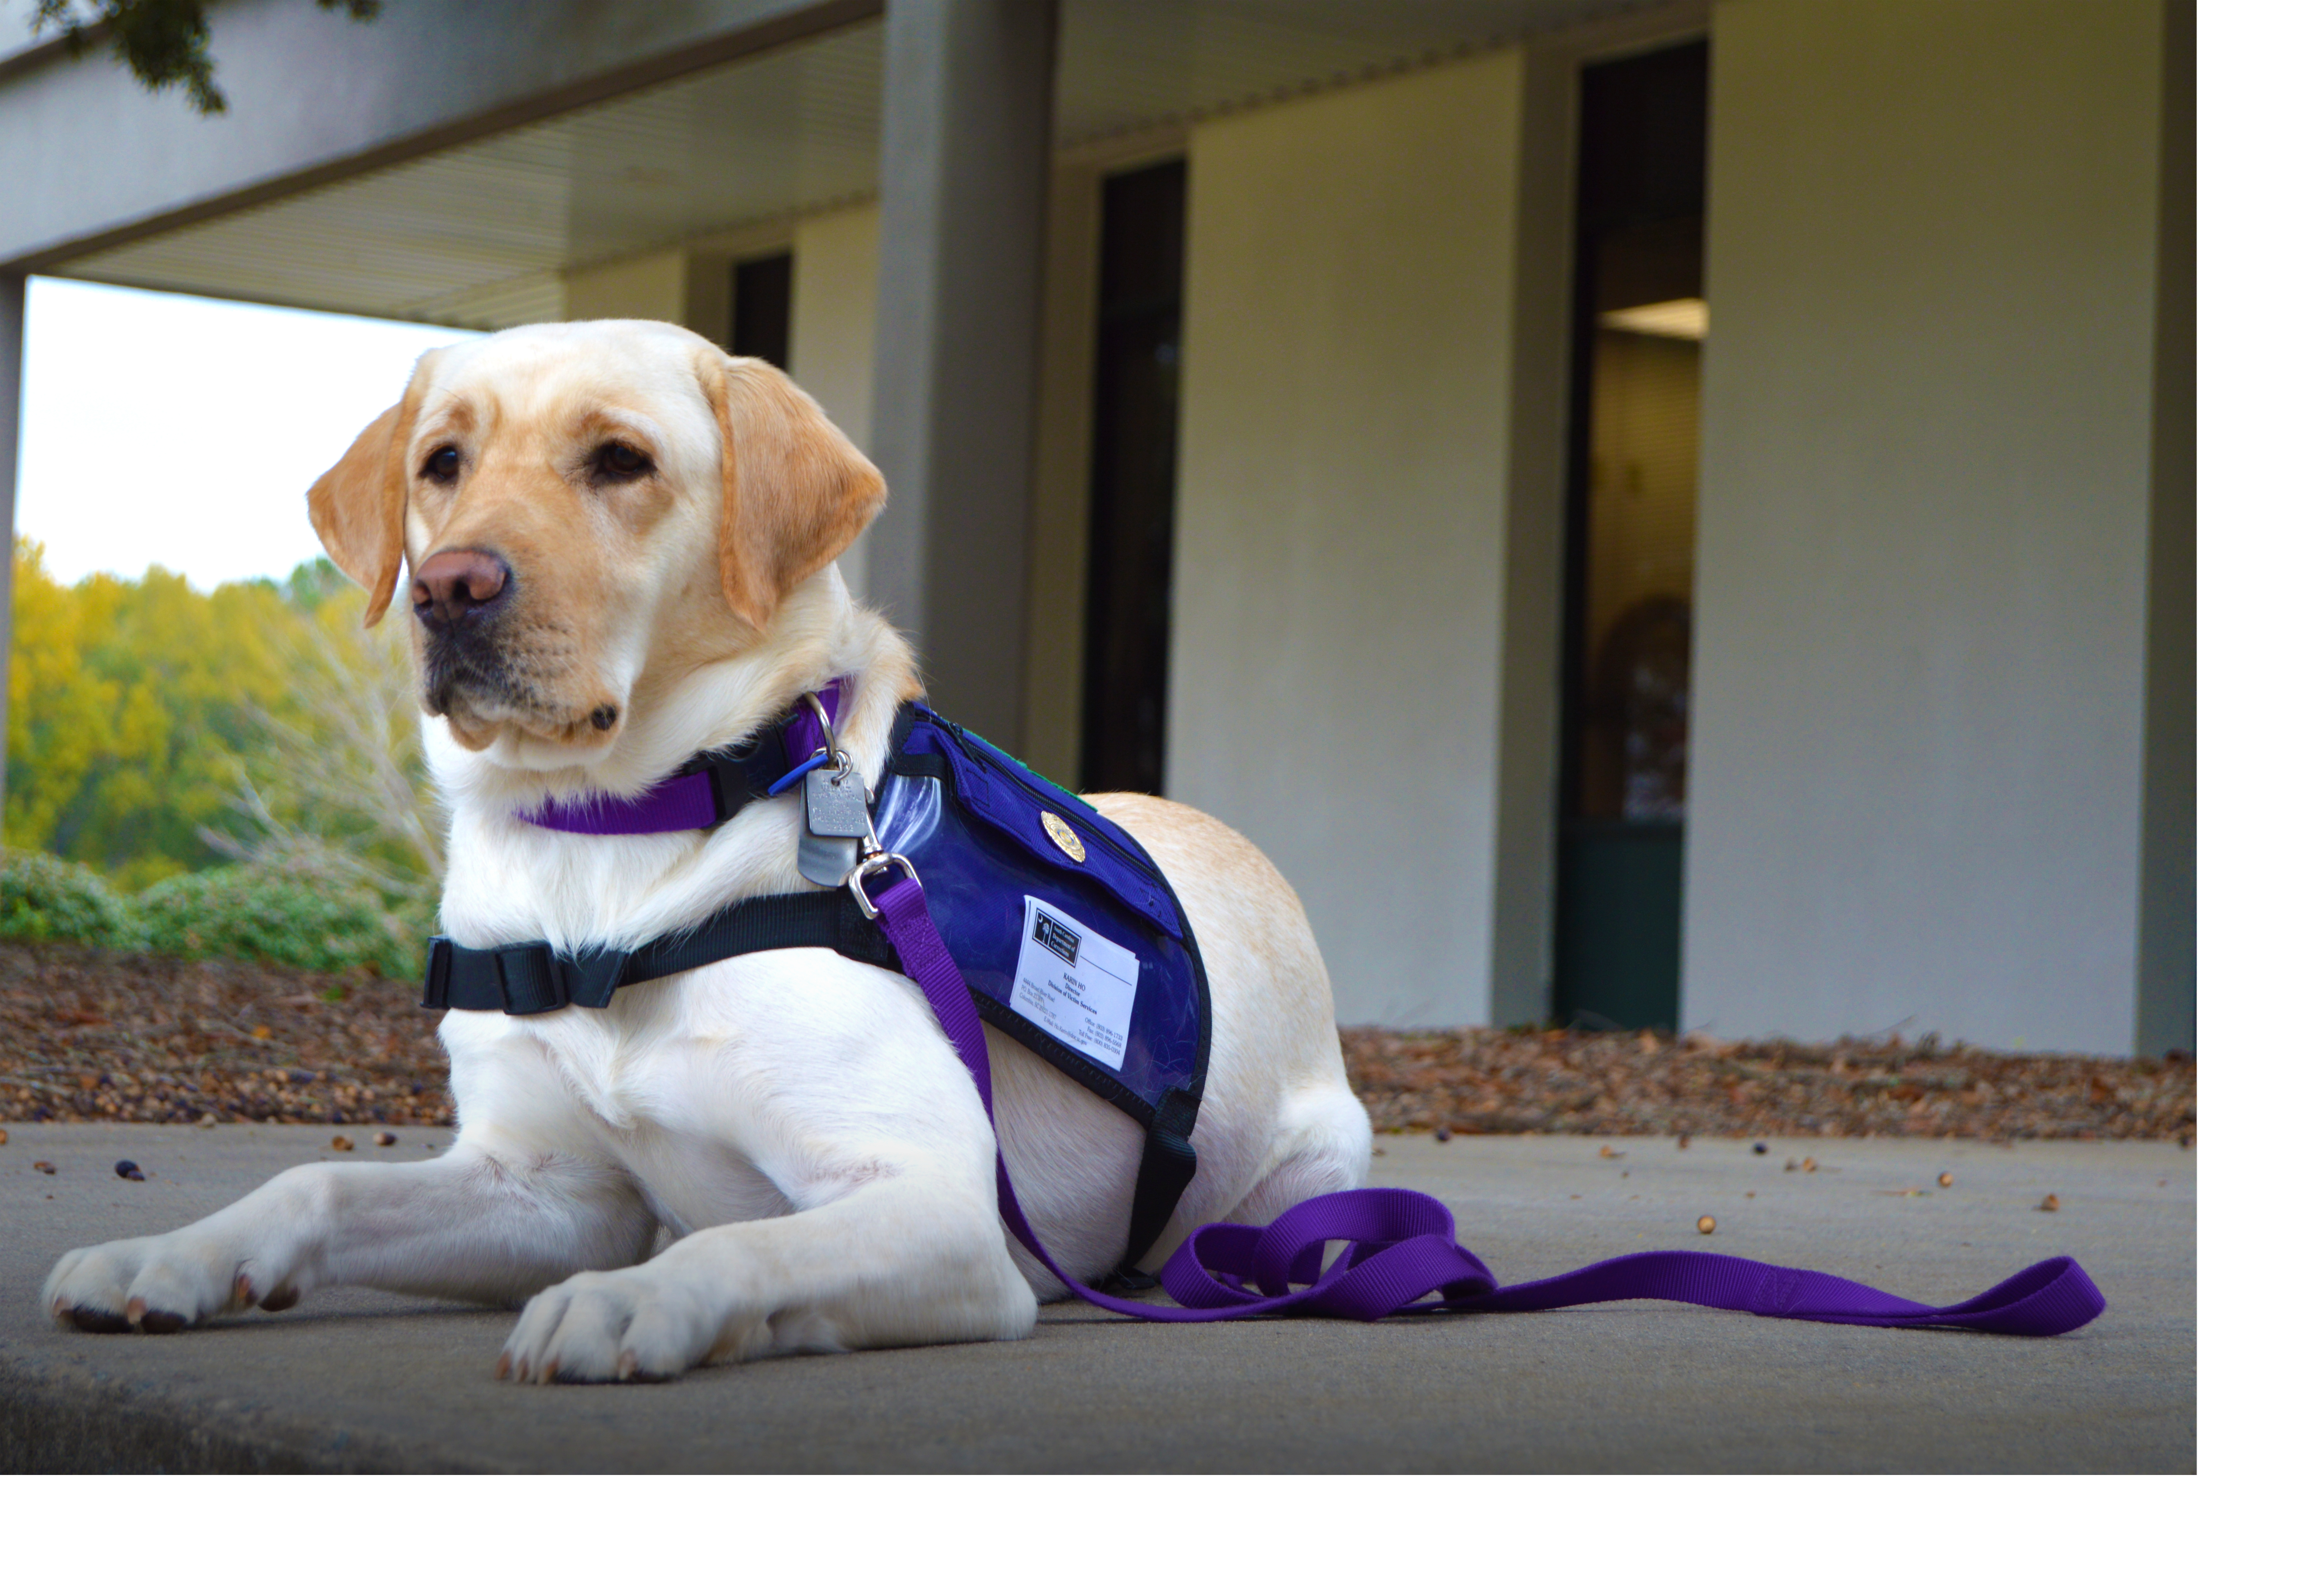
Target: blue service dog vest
[{"x": 1066, "y": 932}]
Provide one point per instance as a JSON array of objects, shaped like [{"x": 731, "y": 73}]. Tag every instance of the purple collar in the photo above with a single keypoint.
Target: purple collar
[{"x": 709, "y": 788}]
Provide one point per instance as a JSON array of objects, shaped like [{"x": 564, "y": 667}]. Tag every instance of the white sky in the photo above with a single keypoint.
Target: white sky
[{"x": 163, "y": 429}]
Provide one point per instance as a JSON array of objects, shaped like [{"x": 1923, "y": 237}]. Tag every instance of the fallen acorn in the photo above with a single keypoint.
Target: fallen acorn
[
  {"x": 1750, "y": 1195},
  {"x": 1808, "y": 1164},
  {"x": 4, "y": 1137},
  {"x": 127, "y": 1170},
  {"x": 2049, "y": 1203},
  {"x": 385, "y": 1138},
  {"x": 1706, "y": 1223},
  {"x": 340, "y": 1143},
  {"x": 1945, "y": 1180},
  {"x": 45, "y": 1168},
  {"x": 1684, "y": 1140}
]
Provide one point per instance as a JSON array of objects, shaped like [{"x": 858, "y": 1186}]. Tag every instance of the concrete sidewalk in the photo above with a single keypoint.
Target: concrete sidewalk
[{"x": 355, "y": 1380}]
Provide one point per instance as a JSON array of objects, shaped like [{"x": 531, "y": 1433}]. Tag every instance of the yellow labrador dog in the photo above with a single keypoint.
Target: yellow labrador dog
[{"x": 620, "y": 542}]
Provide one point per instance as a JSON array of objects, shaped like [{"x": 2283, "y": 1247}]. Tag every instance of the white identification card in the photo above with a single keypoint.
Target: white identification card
[{"x": 1075, "y": 983}]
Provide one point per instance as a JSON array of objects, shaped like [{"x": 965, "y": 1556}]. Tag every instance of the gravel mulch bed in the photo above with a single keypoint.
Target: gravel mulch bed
[
  {"x": 93, "y": 1036},
  {"x": 89, "y": 1035},
  {"x": 1482, "y": 1080}
]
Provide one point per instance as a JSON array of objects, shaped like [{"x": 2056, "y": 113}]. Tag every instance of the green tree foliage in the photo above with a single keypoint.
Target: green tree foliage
[
  {"x": 154, "y": 730},
  {"x": 164, "y": 43}
]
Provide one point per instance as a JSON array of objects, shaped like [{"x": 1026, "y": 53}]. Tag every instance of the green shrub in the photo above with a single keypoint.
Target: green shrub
[
  {"x": 46, "y": 899},
  {"x": 306, "y": 921}
]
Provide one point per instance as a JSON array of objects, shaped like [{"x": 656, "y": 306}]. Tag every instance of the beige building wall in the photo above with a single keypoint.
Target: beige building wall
[
  {"x": 835, "y": 286},
  {"x": 1928, "y": 445},
  {"x": 646, "y": 288},
  {"x": 1344, "y": 517}
]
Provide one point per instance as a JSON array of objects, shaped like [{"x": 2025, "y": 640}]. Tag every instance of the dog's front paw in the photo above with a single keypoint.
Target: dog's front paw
[
  {"x": 159, "y": 1284},
  {"x": 624, "y": 1326}
]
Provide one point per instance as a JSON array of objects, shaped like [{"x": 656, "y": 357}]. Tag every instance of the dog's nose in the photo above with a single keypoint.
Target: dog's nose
[{"x": 450, "y": 587}]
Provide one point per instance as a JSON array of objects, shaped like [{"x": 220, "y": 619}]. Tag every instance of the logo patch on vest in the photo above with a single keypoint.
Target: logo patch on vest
[
  {"x": 1075, "y": 983},
  {"x": 1063, "y": 836},
  {"x": 1049, "y": 934}
]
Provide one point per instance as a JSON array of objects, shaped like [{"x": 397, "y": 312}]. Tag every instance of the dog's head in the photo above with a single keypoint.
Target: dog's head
[{"x": 573, "y": 499}]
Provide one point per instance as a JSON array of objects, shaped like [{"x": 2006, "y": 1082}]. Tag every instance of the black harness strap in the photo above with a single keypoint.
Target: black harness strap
[
  {"x": 740, "y": 776},
  {"x": 532, "y": 977},
  {"x": 1164, "y": 1173}
]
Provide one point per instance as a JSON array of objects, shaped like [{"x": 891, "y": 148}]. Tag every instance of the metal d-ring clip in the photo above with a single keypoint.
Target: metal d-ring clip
[
  {"x": 839, "y": 764},
  {"x": 876, "y": 860},
  {"x": 837, "y": 755}
]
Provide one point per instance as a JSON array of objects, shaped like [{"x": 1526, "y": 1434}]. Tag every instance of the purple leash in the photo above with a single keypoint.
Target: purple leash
[{"x": 1402, "y": 1249}]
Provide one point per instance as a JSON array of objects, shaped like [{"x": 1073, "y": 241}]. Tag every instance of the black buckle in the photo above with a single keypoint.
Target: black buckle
[
  {"x": 733, "y": 786},
  {"x": 532, "y": 979},
  {"x": 592, "y": 979},
  {"x": 739, "y": 778},
  {"x": 525, "y": 978},
  {"x": 436, "y": 988}
]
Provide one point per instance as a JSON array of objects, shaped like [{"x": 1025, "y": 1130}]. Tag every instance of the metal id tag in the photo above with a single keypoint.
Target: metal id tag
[
  {"x": 835, "y": 804},
  {"x": 826, "y": 859},
  {"x": 833, "y": 820}
]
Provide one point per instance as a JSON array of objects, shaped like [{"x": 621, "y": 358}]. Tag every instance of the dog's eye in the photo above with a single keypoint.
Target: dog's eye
[
  {"x": 443, "y": 465},
  {"x": 618, "y": 462}
]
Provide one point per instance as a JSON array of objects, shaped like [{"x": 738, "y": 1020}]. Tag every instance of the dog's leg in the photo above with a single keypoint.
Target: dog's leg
[
  {"x": 907, "y": 1259},
  {"x": 1323, "y": 1144},
  {"x": 492, "y": 1220}
]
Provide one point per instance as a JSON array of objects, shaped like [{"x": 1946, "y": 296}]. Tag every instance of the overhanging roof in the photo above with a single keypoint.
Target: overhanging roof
[{"x": 475, "y": 231}]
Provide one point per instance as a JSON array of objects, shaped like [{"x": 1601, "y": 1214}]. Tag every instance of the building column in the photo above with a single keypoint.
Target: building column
[
  {"x": 2166, "y": 889},
  {"x": 964, "y": 169},
  {"x": 11, "y": 389}
]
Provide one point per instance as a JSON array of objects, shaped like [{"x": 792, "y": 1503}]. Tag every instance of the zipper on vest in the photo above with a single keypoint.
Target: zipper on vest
[{"x": 968, "y": 740}]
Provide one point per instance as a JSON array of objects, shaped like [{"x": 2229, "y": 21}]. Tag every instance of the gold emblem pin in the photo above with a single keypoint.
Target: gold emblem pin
[{"x": 1063, "y": 836}]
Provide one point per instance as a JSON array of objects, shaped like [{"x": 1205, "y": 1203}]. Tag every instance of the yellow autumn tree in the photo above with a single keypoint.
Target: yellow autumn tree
[
  {"x": 154, "y": 729},
  {"x": 61, "y": 713}
]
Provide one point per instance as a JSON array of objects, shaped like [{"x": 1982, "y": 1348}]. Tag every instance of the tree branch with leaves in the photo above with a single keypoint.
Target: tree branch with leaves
[{"x": 164, "y": 43}]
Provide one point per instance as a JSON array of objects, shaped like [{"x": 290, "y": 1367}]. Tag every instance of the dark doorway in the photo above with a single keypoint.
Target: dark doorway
[
  {"x": 763, "y": 310},
  {"x": 1133, "y": 480},
  {"x": 1639, "y": 326}
]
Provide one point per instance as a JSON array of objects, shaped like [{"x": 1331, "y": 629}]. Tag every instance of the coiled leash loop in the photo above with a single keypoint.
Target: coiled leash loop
[{"x": 1401, "y": 1257}]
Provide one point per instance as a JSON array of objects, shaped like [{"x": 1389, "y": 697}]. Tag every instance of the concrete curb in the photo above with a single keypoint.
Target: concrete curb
[{"x": 94, "y": 1425}]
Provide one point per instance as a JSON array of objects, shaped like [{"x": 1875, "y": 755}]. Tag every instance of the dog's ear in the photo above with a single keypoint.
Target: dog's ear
[
  {"x": 797, "y": 490},
  {"x": 357, "y": 506}
]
